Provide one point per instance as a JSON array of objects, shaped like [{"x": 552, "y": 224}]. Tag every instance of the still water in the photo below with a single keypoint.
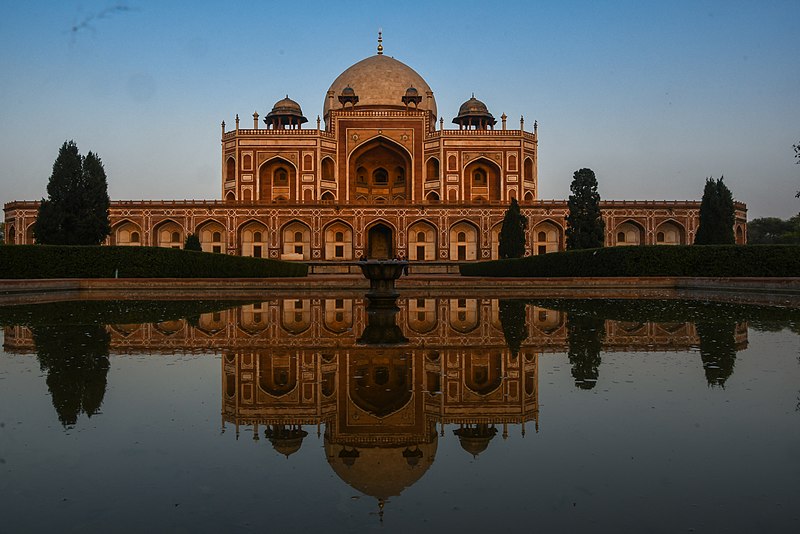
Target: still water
[{"x": 467, "y": 414}]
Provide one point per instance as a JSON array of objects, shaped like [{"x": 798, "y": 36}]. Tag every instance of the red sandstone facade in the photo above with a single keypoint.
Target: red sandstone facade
[{"x": 380, "y": 179}]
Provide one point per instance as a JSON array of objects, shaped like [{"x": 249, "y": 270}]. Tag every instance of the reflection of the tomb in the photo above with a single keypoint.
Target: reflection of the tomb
[
  {"x": 294, "y": 363},
  {"x": 322, "y": 323},
  {"x": 380, "y": 407}
]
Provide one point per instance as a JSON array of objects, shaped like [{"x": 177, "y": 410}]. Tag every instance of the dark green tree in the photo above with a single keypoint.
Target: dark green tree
[
  {"x": 797, "y": 157},
  {"x": 94, "y": 225},
  {"x": 76, "y": 209},
  {"x": 512, "y": 320},
  {"x": 585, "y": 225},
  {"x": 717, "y": 349},
  {"x": 75, "y": 358},
  {"x": 585, "y": 336},
  {"x": 772, "y": 230},
  {"x": 716, "y": 215},
  {"x": 512, "y": 233},
  {"x": 192, "y": 243}
]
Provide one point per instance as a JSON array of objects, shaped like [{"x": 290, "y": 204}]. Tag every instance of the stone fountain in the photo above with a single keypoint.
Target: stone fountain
[{"x": 382, "y": 308}]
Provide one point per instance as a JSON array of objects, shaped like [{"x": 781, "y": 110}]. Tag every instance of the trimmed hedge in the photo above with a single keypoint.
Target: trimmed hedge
[
  {"x": 652, "y": 260},
  {"x": 46, "y": 261}
]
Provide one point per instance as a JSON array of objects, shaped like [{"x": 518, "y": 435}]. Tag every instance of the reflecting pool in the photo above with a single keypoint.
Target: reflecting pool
[{"x": 437, "y": 414}]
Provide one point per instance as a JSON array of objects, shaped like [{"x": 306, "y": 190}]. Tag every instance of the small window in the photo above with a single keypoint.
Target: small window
[
  {"x": 338, "y": 303},
  {"x": 298, "y": 236},
  {"x": 621, "y": 237},
  {"x": 257, "y": 236},
  {"x": 380, "y": 176},
  {"x": 134, "y": 237},
  {"x": 216, "y": 249},
  {"x": 257, "y": 251},
  {"x": 216, "y": 237},
  {"x": 298, "y": 249},
  {"x": 462, "y": 236},
  {"x": 541, "y": 236},
  {"x": 281, "y": 176},
  {"x": 479, "y": 177},
  {"x": 660, "y": 237},
  {"x": 421, "y": 237},
  {"x": 339, "y": 251},
  {"x": 176, "y": 237},
  {"x": 339, "y": 236}
]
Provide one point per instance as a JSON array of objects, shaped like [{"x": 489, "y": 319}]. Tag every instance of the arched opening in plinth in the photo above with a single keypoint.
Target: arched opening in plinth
[{"x": 380, "y": 242}]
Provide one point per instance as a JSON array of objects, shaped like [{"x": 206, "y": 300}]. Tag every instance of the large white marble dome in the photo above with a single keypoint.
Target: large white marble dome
[{"x": 379, "y": 82}]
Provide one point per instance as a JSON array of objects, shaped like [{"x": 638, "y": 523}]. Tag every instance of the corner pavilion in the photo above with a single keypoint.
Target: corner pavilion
[{"x": 381, "y": 178}]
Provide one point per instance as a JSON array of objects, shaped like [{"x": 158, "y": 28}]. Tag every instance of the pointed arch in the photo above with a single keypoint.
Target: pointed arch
[
  {"x": 432, "y": 196},
  {"x": 380, "y": 239},
  {"x": 380, "y": 168},
  {"x": 432, "y": 169},
  {"x": 338, "y": 315},
  {"x": 527, "y": 169},
  {"x": 127, "y": 233},
  {"x": 328, "y": 169},
  {"x": 547, "y": 236},
  {"x": 327, "y": 196},
  {"x": 277, "y": 373},
  {"x": 628, "y": 233},
  {"x": 379, "y": 385},
  {"x": 483, "y": 373},
  {"x": 464, "y": 241},
  {"x": 296, "y": 315},
  {"x": 482, "y": 179},
  {"x": 670, "y": 232},
  {"x": 230, "y": 169},
  {"x": 494, "y": 240},
  {"x": 295, "y": 240},
  {"x": 422, "y": 236},
  {"x": 422, "y": 315},
  {"x": 338, "y": 240},
  {"x": 277, "y": 179},
  {"x": 168, "y": 234},
  {"x": 212, "y": 235},
  {"x": 464, "y": 315}
]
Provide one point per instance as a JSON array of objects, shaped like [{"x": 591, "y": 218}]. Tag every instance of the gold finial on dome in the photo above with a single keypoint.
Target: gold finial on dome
[{"x": 380, "y": 40}]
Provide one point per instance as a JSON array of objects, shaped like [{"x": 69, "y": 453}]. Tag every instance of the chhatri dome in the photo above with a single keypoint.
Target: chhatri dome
[{"x": 379, "y": 82}]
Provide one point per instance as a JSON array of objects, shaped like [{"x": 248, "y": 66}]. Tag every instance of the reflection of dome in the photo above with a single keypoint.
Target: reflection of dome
[
  {"x": 285, "y": 441},
  {"x": 380, "y": 82},
  {"x": 475, "y": 439},
  {"x": 381, "y": 472}
]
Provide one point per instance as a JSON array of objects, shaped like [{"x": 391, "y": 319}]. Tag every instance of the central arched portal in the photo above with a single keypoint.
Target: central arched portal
[
  {"x": 379, "y": 242},
  {"x": 380, "y": 172}
]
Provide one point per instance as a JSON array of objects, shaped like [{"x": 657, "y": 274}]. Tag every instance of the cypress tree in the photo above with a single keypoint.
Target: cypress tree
[
  {"x": 512, "y": 233},
  {"x": 585, "y": 225},
  {"x": 76, "y": 210},
  {"x": 192, "y": 243},
  {"x": 716, "y": 215}
]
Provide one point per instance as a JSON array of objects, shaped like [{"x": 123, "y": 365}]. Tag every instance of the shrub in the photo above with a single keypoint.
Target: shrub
[
  {"x": 46, "y": 261},
  {"x": 653, "y": 260}
]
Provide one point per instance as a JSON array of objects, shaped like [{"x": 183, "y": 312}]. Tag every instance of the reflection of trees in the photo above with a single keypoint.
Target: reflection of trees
[
  {"x": 717, "y": 350},
  {"x": 585, "y": 337},
  {"x": 75, "y": 358},
  {"x": 512, "y": 319}
]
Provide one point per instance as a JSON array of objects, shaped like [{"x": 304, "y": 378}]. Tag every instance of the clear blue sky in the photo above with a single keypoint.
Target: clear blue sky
[{"x": 654, "y": 96}]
